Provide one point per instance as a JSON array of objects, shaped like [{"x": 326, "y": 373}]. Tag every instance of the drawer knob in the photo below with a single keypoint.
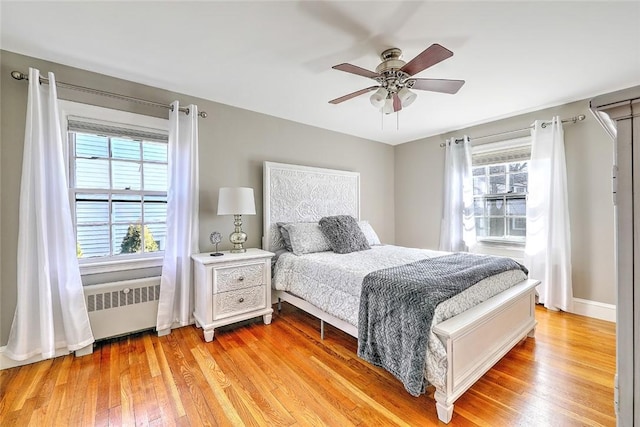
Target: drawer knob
[
  {"x": 241, "y": 300},
  {"x": 241, "y": 278}
]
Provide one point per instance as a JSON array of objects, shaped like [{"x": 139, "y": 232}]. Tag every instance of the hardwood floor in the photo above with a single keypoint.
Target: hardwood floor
[{"x": 283, "y": 374}]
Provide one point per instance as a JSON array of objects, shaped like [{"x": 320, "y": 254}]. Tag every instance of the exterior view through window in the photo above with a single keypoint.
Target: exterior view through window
[
  {"x": 500, "y": 201},
  {"x": 118, "y": 188}
]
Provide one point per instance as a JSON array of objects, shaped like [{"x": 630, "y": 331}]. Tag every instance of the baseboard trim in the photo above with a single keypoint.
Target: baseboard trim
[
  {"x": 7, "y": 363},
  {"x": 595, "y": 309}
]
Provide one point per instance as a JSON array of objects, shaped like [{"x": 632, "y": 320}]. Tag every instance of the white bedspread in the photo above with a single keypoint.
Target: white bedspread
[{"x": 332, "y": 282}]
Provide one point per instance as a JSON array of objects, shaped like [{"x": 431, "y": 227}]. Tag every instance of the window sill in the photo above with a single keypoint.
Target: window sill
[
  {"x": 506, "y": 244},
  {"x": 514, "y": 250},
  {"x": 97, "y": 267}
]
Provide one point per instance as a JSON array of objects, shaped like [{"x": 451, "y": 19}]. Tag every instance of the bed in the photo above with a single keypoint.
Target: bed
[{"x": 469, "y": 332}]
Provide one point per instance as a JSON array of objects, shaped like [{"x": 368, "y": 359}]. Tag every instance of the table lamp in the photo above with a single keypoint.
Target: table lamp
[{"x": 236, "y": 201}]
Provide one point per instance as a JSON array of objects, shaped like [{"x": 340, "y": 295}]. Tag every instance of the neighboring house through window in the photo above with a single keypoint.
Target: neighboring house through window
[
  {"x": 500, "y": 180},
  {"x": 117, "y": 182}
]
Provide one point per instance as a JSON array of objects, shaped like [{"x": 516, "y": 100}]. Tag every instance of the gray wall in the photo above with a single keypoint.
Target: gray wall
[
  {"x": 233, "y": 145},
  {"x": 419, "y": 169},
  {"x": 235, "y": 142}
]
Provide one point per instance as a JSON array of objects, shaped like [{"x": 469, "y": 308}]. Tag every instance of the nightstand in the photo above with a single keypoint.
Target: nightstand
[{"x": 231, "y": 288}]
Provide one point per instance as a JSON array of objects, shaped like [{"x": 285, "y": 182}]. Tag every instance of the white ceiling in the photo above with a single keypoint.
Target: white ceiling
[{"x": 275, "y": 57}]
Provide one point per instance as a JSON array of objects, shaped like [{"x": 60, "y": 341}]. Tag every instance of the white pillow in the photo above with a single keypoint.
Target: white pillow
[
  {"x": 306, "y": 238},
  {"x": 369, "y": 233}
]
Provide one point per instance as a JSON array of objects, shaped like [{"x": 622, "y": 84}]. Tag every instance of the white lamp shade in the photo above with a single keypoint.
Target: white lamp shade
[
  {"x": 236, "y": 201},
  {"x": 406, "y": 97},
  {"x": 388, "y": 106},
  {"x": 378, "y": 97}
]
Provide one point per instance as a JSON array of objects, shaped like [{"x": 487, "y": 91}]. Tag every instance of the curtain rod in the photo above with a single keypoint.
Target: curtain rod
[
  {"x": 22, "y": 76},
  {"x": 574, "y": 119}
]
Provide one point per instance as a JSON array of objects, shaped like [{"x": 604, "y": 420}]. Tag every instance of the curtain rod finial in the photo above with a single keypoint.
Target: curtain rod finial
[
  {"x": 19, "y": 76},
  {"x": 203, "y": 114}
]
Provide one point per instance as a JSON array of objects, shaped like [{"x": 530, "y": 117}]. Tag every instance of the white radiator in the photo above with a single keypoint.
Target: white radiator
[{"x": 124, "y": 307}]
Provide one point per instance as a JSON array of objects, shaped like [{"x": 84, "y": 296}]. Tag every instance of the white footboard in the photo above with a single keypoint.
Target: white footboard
[{"x": 478, "y": 338}]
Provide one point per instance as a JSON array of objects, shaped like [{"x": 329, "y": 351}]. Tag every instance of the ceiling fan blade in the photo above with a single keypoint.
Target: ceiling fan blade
[
  {"x": 336, "y": 17},
  {"x": 397, "y": 105},
  {"x": 352, "y": 95},
  {"x": 429, "y": 57},
  {"x": 437, "y": 85},
  {"x": 354, "y": 69}
]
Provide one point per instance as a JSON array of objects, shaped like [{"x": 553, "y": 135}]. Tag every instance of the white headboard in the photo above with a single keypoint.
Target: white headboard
[{"x": 294, "y": 193}]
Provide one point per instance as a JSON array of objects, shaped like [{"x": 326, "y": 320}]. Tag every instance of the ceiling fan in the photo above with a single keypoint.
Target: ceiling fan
[{"x": 395, "y": 78}]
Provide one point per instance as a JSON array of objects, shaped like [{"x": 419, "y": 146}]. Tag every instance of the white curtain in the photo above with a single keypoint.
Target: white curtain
[
  {"x": 548, "y": 249},
  {"x": 175, "y": 307},
  {"x": 50, "y": 311},
  {"x": 458, "y": 229}
]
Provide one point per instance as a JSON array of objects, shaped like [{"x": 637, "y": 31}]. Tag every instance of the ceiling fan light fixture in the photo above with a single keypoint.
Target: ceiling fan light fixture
[
  {"x": 378, "y": 98},
  {"x": 395, "y": 79},
  {"x": 406, "y": 96},
  {"x": 388, "y": 106}
]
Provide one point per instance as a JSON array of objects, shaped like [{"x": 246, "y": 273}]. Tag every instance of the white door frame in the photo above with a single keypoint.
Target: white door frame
[{"x": 622, "y": 120}]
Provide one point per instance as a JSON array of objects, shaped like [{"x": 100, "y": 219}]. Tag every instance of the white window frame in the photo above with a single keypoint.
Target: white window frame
[
  {"x": 498, "y": 148},
  {"x": 119, "y": 118}
]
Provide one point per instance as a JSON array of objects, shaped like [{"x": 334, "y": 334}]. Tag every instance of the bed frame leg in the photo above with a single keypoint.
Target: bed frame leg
[
  {"x": 321, "y": 329},
  {"x": 445, "y": 411},
  {"x": 279, "y": 305},
  {"x": 532, "y": 333}
]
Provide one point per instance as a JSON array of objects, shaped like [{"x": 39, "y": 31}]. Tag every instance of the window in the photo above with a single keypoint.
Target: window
[
  {"x": 117, "y": 188},
  {"x": 500, "y": 180}
]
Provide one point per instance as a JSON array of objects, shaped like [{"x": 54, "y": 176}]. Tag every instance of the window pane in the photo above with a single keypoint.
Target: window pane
[
  {"x": 131, "y": 243},
  {"x": 517, "y": 227},
  {"x": 128, "y": 239},
  {"x": 495, "y": 169},
  {"x": 478, "y": 207},
  {"x": 479, "y": 171},
  {"x": 91, "y": 145},
  {"x": 517, "y": 207},
  {"x": 126, "y": 175},
  {"x": 125, "y": 149},
  {"x": 481, "y": 227},
  {"x": 519, "y": 182},
  {"x": 91, "y": 212},
  {"x": 479, "y": 185},
  {"x": 496, "y": 227},
  {"x": 496, "y": 207},
  {"x": 154, "y": 151},
  {"x": 497, "y": 184},
  {"x": 127, "y": 209},
  {"x": 518, "y": 167},
  {"x": 92, "y": 241},
  {"x": 154, "y": 211},
  {"x": 158, "y": 234},
  {"x": 92, "y": 173},
  {"x": 155, "y": 177}
]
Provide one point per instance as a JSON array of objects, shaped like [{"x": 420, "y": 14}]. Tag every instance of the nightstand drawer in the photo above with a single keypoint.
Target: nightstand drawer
[
  {"x": 238, "y": 277},
  {"x": 238, "y": 301}
]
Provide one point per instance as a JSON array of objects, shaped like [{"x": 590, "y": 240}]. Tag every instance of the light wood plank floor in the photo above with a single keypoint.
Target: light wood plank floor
[{"x": 283, "y": 374}]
